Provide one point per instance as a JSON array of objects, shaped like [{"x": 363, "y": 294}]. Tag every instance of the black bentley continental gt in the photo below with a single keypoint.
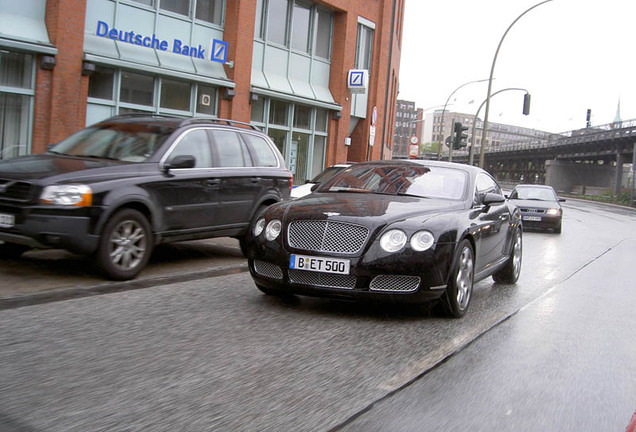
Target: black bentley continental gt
[{"x": 390, "y": 231}]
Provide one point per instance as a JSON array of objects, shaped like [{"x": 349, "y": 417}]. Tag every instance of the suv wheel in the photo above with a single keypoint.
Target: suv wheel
[{"x": 125, "y": 245}]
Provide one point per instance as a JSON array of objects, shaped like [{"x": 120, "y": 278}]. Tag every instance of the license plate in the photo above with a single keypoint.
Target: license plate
[
  {"x": 6, "y": 220},
  {"x": 532, "y": 218},
  {"x": 319, "y": 264}
]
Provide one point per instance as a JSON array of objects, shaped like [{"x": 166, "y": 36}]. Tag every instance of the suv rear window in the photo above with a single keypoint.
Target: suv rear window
[{"x": 265, "y": 157}]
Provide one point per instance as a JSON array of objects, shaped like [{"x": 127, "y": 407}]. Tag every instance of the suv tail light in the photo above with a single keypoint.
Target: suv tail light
[{"x": 291, "y": 181}]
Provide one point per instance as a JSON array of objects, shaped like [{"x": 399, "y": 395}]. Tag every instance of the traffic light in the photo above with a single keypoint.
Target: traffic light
[
  {"x": 459, "y": 136},
  {"x": 526, "y": 104}
]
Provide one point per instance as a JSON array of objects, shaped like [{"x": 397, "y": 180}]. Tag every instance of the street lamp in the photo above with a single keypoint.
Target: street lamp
[
  {"x": 492, "y": 71},
  {"x": 441, "y": 124},
  {"x": 472, "y": 146}
]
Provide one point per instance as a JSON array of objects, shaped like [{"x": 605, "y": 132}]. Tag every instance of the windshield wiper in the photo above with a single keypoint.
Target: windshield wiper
[{"x": 97, "y": 157}]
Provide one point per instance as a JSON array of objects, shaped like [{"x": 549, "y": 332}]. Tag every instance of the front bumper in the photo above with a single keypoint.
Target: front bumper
[
  {"x": 408, "y": 277},
  {"x": 51, "y": 228}
]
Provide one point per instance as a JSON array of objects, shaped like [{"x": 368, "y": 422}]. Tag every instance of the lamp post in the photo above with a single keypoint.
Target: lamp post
[
  {"x": 472, "y": 145},
  {"x": 441, "y": 124},
  {"x": 492, "y": 71}
]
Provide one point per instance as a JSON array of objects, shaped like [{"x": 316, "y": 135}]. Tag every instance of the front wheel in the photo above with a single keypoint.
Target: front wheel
[
  {"x": 125, "y": 245},
  {"x": 510, "y": 272},
  {"x": 460, "y": 285}
]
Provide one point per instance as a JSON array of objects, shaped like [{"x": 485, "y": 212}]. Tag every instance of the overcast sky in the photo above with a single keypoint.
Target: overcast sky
[{"x": 570, "y": 55}]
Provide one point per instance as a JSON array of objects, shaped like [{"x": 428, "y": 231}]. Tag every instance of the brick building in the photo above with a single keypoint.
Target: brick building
[{"x": 282, "y": 65}]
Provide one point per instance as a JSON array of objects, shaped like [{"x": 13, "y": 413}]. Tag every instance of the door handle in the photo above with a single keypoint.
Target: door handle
[
  {"x": 255, "y": 179},
  {"x": 213, "y": 182}
]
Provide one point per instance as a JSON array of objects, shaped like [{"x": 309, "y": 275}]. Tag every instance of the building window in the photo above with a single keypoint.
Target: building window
[
  {"x": 298, "y": 25},
  {"x": 146, "y": 93},
  {"x": 175, "y": 95},
  {"x": 16, "y": 103},
  {"x": 299, "y": 132},
  {"x": 277, "y": 21},
  {"x": 211, "y": 11}
]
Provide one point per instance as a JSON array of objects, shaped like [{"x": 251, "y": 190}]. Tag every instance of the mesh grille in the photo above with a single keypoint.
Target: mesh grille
[
  {"x": 322, "y": 279},
  {"x": 394, "y": 283},
  {"x": 532, "y": 210},
  {"x": 15, "y": 191},
  {"x": 325, "y": 236},
  {"x": 268, "y": 269}
]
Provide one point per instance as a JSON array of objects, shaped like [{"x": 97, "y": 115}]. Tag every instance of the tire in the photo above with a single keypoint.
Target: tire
[
  {"x": 460, "y": 284},
  {"x": 12, "y": 250},
  {"x": 125, "y": 245},
  {"x": 510, "y": 272}
]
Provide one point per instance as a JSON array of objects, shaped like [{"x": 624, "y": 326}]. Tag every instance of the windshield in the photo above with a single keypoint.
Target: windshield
[
  {"x": 419, "y": 181},
  {"x": 128, "y": 142},
  {"x": 530, "y": 193}
]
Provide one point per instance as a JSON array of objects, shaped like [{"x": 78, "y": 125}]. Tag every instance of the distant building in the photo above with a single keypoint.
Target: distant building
[
  {"x": 438, "y": 128},
  {"x": 408, "y": 124}
]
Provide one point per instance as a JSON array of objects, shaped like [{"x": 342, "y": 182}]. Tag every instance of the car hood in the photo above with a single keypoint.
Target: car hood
[
  {"x": 36, "y": 167},
  {"x": 373, "y": 207},
  {"x": 535, "y": 204}
]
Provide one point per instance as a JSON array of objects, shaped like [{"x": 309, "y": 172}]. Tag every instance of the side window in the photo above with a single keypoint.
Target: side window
[
  {"x": 195, "y": 143},
  {"x": 265, "y": 156},
  {"x": 229, "y": 150},
  {"x": 485, "y": 184}
]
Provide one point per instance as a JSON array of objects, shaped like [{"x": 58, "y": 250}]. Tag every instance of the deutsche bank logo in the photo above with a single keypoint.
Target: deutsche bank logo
[
  {"x": 219, "y": 51},
  {"x": 356, "y": 79}
]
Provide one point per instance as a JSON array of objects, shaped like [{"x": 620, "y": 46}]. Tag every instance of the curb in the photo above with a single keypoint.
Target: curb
[{"x": 67, "y": 293}]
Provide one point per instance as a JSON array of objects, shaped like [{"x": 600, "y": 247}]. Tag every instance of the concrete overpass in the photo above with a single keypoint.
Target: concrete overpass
[{"x": 586, "y": 158}]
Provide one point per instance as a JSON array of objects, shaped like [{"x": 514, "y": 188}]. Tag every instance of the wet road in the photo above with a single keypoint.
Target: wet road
[{"x": 554, "y": 352}]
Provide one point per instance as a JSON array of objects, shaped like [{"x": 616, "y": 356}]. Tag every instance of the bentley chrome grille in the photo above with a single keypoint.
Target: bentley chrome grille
[
  {"x": 390, "y": 283},
  {"x": 322, "y": 279},
  {"x": 268, "y": 269},
  {"x": 326, "y": 236}
]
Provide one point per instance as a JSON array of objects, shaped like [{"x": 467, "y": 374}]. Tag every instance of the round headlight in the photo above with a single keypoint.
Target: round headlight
[
  {"x": 422, "y": 240},
  {"x": 259, "y": 226},
  {"x": 393, "y": 240},
  {"x": 272, "y": 230}
]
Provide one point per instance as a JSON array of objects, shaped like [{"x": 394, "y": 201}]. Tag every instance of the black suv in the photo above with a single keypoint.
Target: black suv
[{"x": 118, "y": 188}]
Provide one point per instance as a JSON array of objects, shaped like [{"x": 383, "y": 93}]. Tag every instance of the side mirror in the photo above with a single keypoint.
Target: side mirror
[
  {"x": 561, "y": 199},
  {"x": 493, "y": 198},
  {"x": 180, "y": 161},
  {"x": 315, "y": 186}
]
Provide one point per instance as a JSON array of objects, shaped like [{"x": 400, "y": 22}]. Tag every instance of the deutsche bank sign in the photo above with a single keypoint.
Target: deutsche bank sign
[
  {"x": 358, "y": 80},
  {"x": 217, "y": 49}
]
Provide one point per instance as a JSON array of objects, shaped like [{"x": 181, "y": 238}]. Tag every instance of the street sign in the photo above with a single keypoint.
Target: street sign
[
  {"x": 414, "y": 150},
  {"x": 371, "y": 135},
  {"x": 414, "y": 140},
  {"x": 374, "y": 116}
]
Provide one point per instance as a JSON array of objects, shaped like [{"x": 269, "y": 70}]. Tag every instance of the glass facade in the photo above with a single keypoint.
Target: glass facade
[
  {"x": 299, "y": 131},
  {"x": 138, "y": 92},
  {"x": 17, "y": 72}
]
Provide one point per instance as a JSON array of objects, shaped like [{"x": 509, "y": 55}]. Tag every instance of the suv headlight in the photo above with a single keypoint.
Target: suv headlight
[
  {"x": 69, "y": 195},
  {"x": 553, "y": 212}
]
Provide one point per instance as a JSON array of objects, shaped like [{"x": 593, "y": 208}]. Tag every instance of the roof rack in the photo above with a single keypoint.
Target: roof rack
[
  {"x": 228, "y": 122},
  {"x": 140, "y": 114}
]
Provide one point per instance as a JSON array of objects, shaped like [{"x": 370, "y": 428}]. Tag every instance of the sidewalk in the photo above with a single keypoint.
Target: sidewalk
[{"x": 42, "y": 276}]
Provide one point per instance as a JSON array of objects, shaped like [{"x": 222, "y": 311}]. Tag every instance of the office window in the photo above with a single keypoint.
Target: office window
[
  {"x": 210, "y": 11},
  {"x": 300, "y": 27},
  {"x": 277, "y": 21},
  {"x": 175, "y": 95},
  {"x": 136, "y": 88},
  {"x": 100, "y": 84},
  {"x": 322, "y": 34}
]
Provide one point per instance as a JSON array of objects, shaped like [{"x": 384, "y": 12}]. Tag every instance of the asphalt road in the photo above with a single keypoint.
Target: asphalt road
[{"x": 553, "y": 352}]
